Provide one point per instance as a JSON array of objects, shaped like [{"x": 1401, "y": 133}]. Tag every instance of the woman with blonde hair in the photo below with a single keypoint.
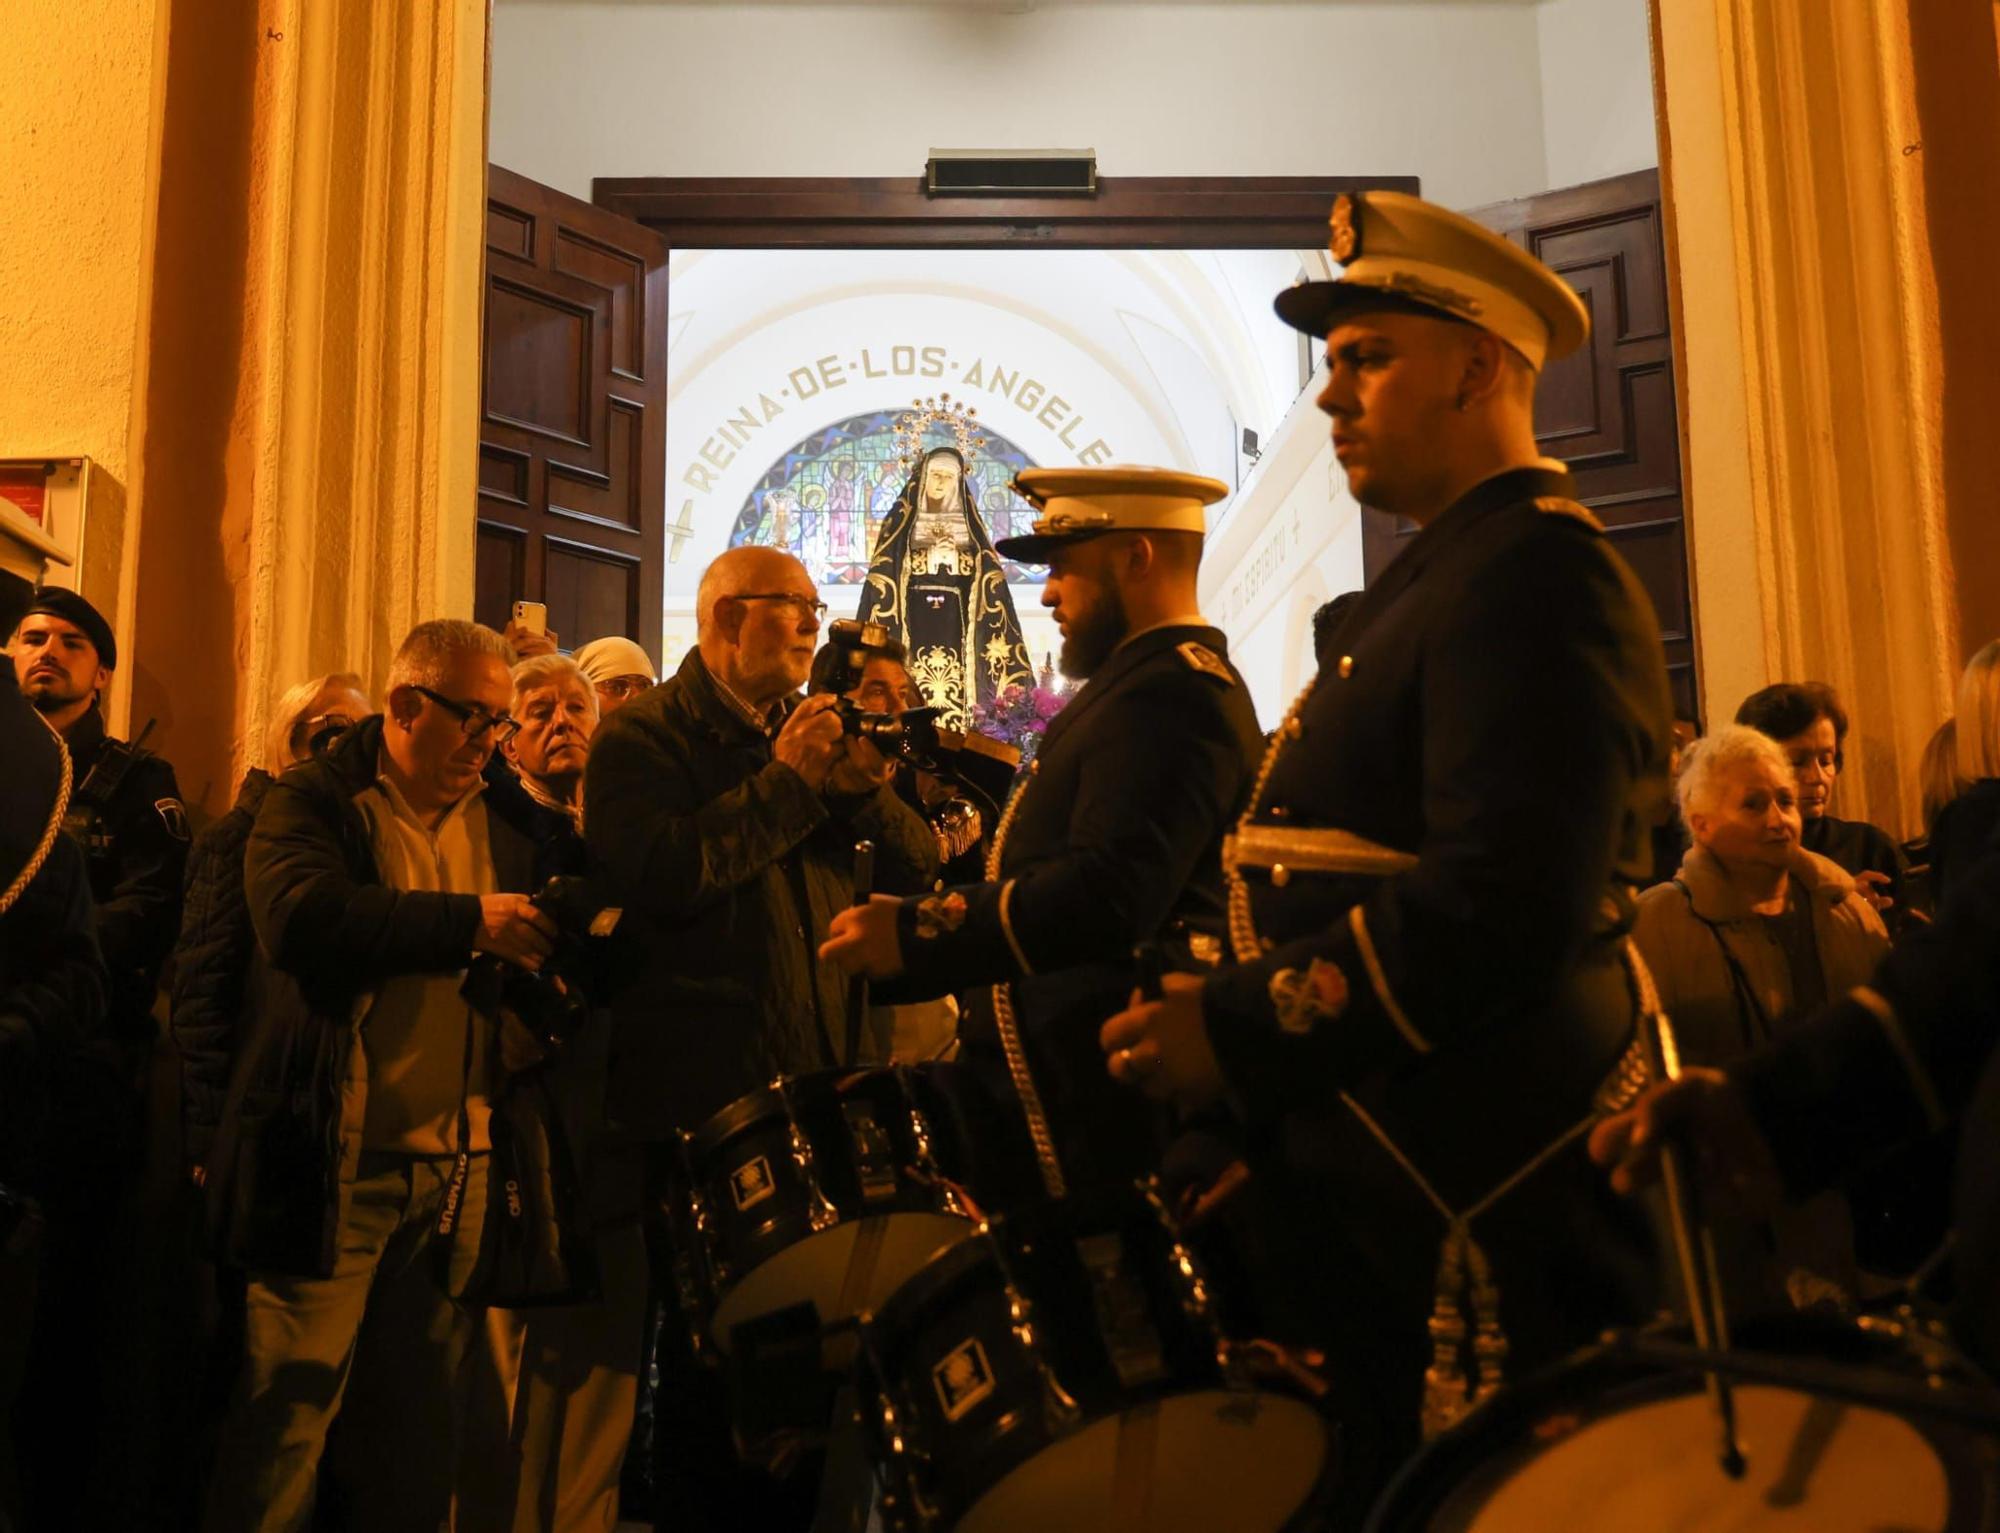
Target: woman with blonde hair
[
  {"x": 1754, "y": 933},
  {"x": 213, "y": 954},
  {"x": 1966, "y": 825}
]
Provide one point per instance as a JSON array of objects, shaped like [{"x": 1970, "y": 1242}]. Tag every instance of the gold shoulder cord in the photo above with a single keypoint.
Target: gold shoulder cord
[
  {"x": 1464, "y": 1273},
  {"x": 49, "y": 832},
  {"x": 1010, "y": 1032},
  {"x": 1243, "y": 939}
]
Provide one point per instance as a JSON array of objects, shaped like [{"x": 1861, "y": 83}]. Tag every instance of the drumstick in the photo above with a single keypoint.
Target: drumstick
[
  {"x": 1149, "y": 966},
  {"x": 1694, "y": 1247},
  {"x": 857, "y": 988}
]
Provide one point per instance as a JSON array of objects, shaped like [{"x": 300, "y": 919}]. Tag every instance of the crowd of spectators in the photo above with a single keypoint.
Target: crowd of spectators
[{"x": 350, "y": 1058}]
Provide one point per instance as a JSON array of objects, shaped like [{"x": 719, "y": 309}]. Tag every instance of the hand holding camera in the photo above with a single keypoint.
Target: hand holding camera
[
  {"x": 513, "y": 929},
  {"x": 548, "y": 1000},
  {"x": 810, "y": 742}
]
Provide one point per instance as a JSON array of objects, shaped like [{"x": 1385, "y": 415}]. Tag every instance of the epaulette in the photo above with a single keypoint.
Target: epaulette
[
  {"x": 1200, "y": 657},
  {"x": 1557, "y": 505}
]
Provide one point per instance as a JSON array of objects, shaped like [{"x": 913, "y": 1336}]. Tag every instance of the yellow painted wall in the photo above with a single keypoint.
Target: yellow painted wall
[{"x": 76, "y": 152}]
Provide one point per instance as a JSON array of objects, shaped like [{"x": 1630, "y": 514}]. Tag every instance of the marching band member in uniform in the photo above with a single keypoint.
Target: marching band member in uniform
[
  {"x": 1113, "y": 837},
  {"x": 1428, "y": 1003}
]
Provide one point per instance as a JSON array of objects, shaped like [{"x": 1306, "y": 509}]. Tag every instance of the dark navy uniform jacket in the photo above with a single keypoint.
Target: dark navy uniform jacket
[
  {"x": 1498, "y": 714},
  {"x": 135, "y": 838},
  {"x": 1113, "y": 840}
]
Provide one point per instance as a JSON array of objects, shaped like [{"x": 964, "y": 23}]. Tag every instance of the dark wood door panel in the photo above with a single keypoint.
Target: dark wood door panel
[
  {"x": 539, "y": 365},
  {"x": 1608, "y": 411},
  {"x": 499, "y": 572},
  {"x": 590, "y": 590},
  {"x": 572, "y": 484}
]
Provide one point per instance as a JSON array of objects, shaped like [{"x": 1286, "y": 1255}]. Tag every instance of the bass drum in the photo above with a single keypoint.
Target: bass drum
[
  {"x": 826, "y": 1189},
  {"x": 1062, "y": 1373},
  {"x": 1611, "y": 1441}
]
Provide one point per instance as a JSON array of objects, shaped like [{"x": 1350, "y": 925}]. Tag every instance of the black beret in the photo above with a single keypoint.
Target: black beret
[{"x": 57, "y": 601}]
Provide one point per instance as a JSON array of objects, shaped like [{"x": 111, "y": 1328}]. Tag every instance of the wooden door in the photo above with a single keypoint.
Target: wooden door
[
  {"x": 1609, "y": 410},
  {"x": 573, "y": 416}
]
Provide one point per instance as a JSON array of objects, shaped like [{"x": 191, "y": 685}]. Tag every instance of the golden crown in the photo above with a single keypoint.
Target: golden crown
[{"x": 936, "y": 411}]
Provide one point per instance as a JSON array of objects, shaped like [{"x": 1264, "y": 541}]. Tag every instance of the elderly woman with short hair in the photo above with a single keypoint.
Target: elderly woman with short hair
[
  {"x": 212, "y": 957},
  {"x": 1754, "y": 933}
]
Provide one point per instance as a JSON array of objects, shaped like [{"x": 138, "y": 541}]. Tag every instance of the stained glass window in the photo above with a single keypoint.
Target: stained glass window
[{"x": 825, "y": 497}]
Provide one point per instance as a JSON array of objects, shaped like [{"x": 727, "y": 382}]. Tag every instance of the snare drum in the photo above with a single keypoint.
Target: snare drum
[
  {"x": 1063, "y": 1374},
  {"x": 1612, "y": 1441},
  {"x": 828, "y": 1189}
]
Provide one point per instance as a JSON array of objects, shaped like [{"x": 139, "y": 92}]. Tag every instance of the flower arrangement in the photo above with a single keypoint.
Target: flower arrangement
[{"x": 1019, "y": 715}]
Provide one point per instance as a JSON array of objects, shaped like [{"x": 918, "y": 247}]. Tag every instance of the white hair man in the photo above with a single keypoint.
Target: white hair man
[
  {"x": 553, "y": 1395},
  {"x": 348, "y": 1170},
  {"x": 723, "y": 815},
  {"x": 557, "y": 709}
]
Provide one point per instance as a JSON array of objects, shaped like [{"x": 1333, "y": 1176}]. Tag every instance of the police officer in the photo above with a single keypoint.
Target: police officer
[
  {"x": 82, "y": 1443},
  {"x": 1112, "y": 838},
  {"x": 1428, "y": 994},
  {"x": 125, "y": 809}
]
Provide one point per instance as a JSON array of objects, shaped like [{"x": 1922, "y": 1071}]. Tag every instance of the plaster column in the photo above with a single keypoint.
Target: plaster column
[
  {"x": 363, "y": 524},
  {"x": 1803, "y": 227},
  {"x": 308, "y": 479}
]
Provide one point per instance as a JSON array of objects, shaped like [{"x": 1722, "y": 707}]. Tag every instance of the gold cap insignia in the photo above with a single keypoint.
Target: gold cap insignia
[{"x": 1344, "y": 230}]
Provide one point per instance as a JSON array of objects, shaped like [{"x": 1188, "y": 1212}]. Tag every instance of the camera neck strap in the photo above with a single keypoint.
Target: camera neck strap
[{"x": 857, "y": 988}]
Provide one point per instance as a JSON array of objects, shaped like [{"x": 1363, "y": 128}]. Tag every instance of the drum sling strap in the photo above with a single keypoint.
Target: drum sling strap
[
  {"x": 1464, "y": 1274},
  {"x": 1046, "y": 1160}
]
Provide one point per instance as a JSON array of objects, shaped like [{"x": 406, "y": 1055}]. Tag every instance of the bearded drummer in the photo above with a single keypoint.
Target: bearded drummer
[
  {"x": 1112, "y": 839},
  {"x": 1427, "y": 1004}
]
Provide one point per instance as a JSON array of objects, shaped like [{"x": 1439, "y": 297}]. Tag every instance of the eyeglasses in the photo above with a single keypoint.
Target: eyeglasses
[
  {"x": 476, "y": 722},
  {"x": 802, "y": 606},
  {"x": 624, "y": 687}
]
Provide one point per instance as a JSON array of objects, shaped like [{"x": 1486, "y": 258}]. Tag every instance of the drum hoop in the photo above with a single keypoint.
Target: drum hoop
[
  {"x": 1611, "y": 1376},
  {"x": 767, "y": 1101},
  {"x": 946, "y": 1270}
]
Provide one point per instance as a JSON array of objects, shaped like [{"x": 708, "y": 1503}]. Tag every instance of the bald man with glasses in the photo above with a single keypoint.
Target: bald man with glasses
[{"x": 724, "y": 810}]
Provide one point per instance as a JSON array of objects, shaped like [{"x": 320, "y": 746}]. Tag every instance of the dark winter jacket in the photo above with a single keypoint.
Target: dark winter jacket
[
  {"x": 1963, "y": 831},
  {"x": 53, "y": 1000},
  {"x": 729, "y": 868},
  {"x": 211, "y": 966},
  {"x": 328, "y": 931}
]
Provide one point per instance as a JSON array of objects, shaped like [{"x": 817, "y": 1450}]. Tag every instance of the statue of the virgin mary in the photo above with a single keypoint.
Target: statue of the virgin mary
[{"x": 935, "y": 581}]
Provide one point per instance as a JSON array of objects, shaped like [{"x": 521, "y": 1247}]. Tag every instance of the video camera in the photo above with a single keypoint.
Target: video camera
[
  {"x": 553, "y": 1002},
  {"x": 983, "y": 766}
]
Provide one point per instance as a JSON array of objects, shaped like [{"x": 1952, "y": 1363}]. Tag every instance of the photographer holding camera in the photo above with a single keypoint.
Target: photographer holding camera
[
  {"x": 869, "y": 671},
  {"x": 866, "y": 668},
  {"x": 723, "y": 815}
]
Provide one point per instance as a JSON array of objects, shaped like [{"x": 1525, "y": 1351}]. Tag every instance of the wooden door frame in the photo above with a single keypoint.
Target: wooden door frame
[{"x": 896, "y": 212}]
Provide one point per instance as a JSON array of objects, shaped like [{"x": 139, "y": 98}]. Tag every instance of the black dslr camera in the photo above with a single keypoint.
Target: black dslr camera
[
  {"x": 983, "y": 767},
  {"x": 553, "y": 1002}
]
